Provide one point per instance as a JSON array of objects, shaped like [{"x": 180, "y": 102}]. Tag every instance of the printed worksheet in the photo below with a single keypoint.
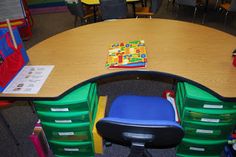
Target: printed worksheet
[{"x": 29, "y": 80}]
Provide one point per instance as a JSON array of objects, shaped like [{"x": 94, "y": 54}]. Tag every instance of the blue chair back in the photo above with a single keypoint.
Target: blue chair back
[
  {"x": 76, "y": 9},
  {"x": 155, "y": 5},
  {"x": 113, "y": 9},
  {"x": 187, "y": 2}
]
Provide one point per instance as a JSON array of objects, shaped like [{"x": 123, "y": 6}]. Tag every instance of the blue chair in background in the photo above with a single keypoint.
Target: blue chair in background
[
  {"x": 113, "y": 9},
  {"x": 192, "y": 3},
  {"x": 78, "y": 9},
  {"x": 141, "y": 122}
]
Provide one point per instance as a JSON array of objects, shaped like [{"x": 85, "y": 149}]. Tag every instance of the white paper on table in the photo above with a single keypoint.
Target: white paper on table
[{"x": 29, "y": 80}]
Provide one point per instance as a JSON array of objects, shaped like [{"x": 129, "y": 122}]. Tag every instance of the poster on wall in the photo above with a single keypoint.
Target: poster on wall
[{"x": 11, "y": 9}]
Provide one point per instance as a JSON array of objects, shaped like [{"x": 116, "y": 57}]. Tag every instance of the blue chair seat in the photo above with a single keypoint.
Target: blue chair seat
[{"x": 142, "y": 108}]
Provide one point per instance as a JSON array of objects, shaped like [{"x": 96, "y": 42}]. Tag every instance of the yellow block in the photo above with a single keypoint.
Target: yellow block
[{"x": 98, "y": 141}]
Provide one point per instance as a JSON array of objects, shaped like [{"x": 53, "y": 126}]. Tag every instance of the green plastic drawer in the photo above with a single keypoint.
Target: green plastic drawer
[
  {"x": 201, "y": 147},
  {"x": 94, "y": 111},
  {"x": 198, "y": 98},
  {"x": 209, "y": 115},
  {"x": 67, "y": 132},
  {"x": 81, "y": 149},
  {"x": 94, "y": 101},
  {"x": 179, "y": 101},
  {"x": 78, "y": 100},
  {"x": 201, "y": 130},
  {"x": 64, "y": 117}
]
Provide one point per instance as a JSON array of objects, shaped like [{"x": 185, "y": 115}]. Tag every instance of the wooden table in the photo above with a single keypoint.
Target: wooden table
[{"x": 181, "y": 50}]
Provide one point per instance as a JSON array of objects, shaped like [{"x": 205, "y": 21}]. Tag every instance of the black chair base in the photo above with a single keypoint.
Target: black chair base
[{"x": 138, "y": 150}]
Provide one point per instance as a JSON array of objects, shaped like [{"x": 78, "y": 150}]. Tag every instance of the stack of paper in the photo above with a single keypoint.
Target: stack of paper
[{"x": 127, "y": 55}]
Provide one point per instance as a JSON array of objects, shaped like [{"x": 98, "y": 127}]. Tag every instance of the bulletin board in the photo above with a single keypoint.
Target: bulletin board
[{"x": 11, "y": 9}]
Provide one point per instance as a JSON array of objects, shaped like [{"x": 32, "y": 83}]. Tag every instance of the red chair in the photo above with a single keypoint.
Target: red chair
[{"x": 26, "y": 29}]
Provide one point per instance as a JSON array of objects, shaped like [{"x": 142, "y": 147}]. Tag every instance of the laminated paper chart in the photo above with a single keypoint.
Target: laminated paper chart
[{"x": 29, "y": 80}]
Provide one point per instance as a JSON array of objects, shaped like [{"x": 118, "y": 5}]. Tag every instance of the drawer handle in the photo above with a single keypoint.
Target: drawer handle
[
  {"x": 63, "y": 121},
  {"x": 197, "y": 149},
  {"x": 59, "y": 109},
  {"x": 210, "y": 120},
  {"x": 71, "y": 149},
  {"x": 212, "y": 106},
  {"x": 66, "y": 133},
  {"x": 204, "y": 131}
]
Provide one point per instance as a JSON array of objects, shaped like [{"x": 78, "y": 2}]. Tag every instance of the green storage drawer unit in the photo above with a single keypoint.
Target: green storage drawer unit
[
  {"x": 64, "y": 117},
  {"x": 68, "y": 132},
  {"x": 68, "y": 122},
  {"x": 72, "y": 149},
  {"x": 198, "y": 98},
  {"x": 70, "y": 116},
  {"x": 209, "y": 115},
  {"x": 201, "y": 147},
  {"x": 201, "y": 130},
  {"x": 207, "y": 121},
  {"x": 78, "y": 100}
]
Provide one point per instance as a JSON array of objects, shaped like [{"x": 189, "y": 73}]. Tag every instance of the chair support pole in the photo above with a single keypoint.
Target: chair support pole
[
  {"x": 75, "y": 22},
  {"x": 138, "y": 150},
  {"x": 194, "y": 15},
  {"x": 226, "y": 15}
]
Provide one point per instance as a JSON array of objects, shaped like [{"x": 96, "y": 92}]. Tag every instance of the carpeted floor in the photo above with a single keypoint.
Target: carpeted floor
[{"x": 20, "y": 116}]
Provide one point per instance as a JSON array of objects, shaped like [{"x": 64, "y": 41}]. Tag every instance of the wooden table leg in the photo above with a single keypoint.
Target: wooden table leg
[
  {"x": 133, "y": 6},
  {"x": 205, "y": 11},
  {"x": 94, "y": 13}
]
